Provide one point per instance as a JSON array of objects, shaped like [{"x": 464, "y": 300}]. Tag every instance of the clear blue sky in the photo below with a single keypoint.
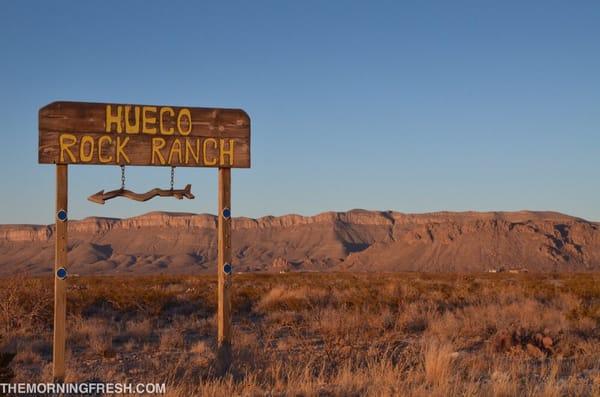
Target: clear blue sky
[{"x": 413, "y": 106}]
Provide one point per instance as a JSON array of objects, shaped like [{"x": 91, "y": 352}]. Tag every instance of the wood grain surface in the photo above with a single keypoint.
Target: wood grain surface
[{"x": 148, "y": 135}]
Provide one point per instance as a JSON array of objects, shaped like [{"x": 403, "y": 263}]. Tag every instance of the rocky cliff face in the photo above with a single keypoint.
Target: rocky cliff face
[{"x": 356, "y": 241}]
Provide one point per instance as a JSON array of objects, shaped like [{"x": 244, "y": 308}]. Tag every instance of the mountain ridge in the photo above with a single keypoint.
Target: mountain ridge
[{"x": 355, "y": 240}]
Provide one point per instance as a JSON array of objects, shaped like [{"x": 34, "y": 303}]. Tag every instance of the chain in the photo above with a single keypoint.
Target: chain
[
  {"x": 172, "y": 177},
  {"x": 122, "y": 177}
]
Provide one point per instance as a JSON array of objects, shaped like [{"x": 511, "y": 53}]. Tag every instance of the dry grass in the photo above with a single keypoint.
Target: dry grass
[
  {"x": 321, "y": 334},
  {"x": 437, "y": 362}
]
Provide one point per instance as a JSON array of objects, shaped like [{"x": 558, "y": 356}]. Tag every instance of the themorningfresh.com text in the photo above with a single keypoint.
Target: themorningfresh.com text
[{"x": 81, "y": 388}]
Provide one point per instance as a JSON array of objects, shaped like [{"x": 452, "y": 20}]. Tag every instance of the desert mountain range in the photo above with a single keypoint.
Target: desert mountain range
[{"x": 356, "y": 240}]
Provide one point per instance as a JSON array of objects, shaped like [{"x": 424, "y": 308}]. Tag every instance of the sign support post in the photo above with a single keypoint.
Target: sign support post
[
  {"x": 224, "y": 270},
  {"x": 60, "y": 264}
]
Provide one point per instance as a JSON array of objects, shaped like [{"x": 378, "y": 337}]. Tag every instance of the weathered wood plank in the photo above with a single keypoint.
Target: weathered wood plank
[
  {"x": 224, "y": 269},
  {"x": 84, "y": 117},
  {"x": 103, "y": 149},
  {"x": 60, "y": 287}
]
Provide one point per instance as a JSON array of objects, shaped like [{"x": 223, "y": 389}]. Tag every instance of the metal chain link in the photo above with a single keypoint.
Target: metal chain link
[
  {"x": 122, "y": 177},
  {"x": 172, "y": 177}
]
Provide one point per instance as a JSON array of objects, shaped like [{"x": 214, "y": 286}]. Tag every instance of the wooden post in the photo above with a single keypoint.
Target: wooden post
[
  {"x": 224, "y": 271},
  {"x": 60, "y": 266}
]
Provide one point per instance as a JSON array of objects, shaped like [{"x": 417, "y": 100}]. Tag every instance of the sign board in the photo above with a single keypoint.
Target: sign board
[{"x": 125, "y": 134}]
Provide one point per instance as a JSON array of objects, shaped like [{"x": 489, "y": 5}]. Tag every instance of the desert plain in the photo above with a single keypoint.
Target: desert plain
[{"x": 339, "y": 304}]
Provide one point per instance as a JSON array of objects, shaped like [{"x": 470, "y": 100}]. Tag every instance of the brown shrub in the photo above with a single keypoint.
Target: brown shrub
[{"x": 171, "y": 339}]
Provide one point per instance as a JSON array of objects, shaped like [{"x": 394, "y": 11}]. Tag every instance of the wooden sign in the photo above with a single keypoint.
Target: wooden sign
[
  {"x": 121, "y": 134},
  {"x": 117, "y": 134}
]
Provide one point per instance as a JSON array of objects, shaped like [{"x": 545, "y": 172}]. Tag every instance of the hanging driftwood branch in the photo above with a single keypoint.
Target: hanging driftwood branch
[{"x": 179, "y": 194}]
